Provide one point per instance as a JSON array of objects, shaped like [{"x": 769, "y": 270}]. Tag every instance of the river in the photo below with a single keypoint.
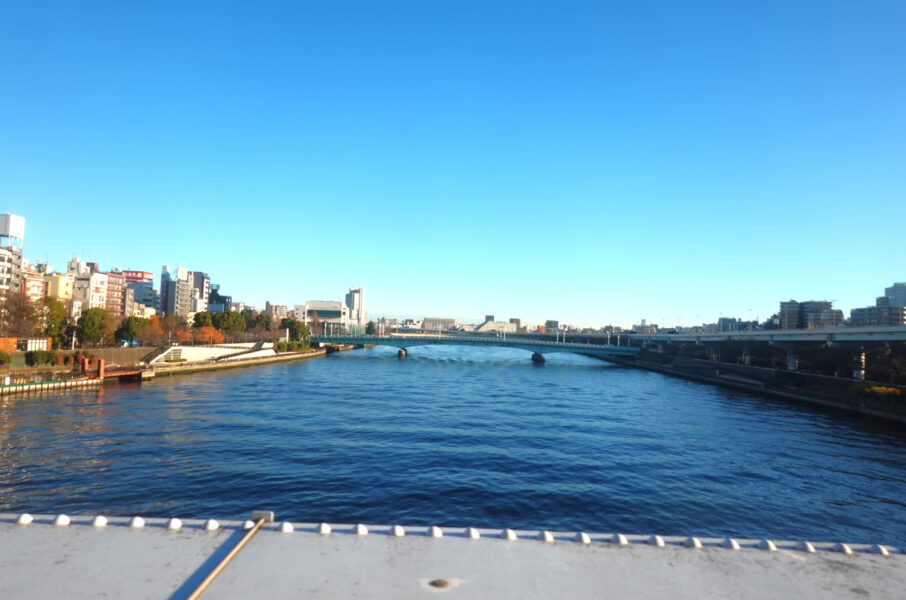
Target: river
[{"x": 458, "y": 437}]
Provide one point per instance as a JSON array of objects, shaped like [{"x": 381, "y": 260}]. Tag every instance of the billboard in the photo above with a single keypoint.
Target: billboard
[{"x": 12, "y": 226}]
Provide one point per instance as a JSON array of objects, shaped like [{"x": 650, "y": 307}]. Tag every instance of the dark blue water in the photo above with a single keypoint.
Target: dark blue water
[{"x": 457, "y": 437}]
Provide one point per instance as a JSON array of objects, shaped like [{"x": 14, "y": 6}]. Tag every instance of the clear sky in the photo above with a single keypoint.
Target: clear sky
[{"x": 588, "y": 162}]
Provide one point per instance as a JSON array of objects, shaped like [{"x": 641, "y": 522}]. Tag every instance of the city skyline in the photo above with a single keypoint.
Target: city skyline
[{"x": 595, "y": 165}]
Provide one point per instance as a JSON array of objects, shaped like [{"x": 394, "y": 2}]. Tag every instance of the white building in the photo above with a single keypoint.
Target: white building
[
  {"x": 325, "y": 312},
  {"x": 91, "y": 290},
  {"x": 355, "y": 301}
]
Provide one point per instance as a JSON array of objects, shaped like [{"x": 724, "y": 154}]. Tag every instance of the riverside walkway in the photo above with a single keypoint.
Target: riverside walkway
[
  {"x": 57, "y": 556},
  {"x": 538, "y": 348}
]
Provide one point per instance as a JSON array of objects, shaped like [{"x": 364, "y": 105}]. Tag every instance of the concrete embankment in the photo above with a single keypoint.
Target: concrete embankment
[
  {"x": 867, "y": 398},
  {"x": 165, "y": 369}
]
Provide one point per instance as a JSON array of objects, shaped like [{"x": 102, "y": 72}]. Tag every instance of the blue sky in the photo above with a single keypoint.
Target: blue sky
[{"x": 588, "y": 162}]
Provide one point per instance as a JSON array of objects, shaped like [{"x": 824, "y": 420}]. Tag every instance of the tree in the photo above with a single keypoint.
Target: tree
[
  {"x": 56, "y": 319},
  {"x": 230, "y": 323},
  {"x": 171, "y": 325},
  {"x": 370, "y": 328},
  {"x": 298, "y": 332},
  {"x": 249, "y": 316},
  {"x": 131, "y": 329},
  {"x": 153, "y": 334},
  {"x": 208, "y": 335},
  {"x": 22, "y": 316},
  {"x": 203, "y": 319},
  {"x": 264, "y": 321},
  {"x": 95, "y": 326}
]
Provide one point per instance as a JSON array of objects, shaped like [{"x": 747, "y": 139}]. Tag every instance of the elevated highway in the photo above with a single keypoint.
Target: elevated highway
[
  {"x": 837, "y": 334},
  {"x": 538, "y": 348}
]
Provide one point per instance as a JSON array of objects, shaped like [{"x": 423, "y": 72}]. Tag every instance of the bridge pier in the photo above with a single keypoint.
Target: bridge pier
[
  {"x": 859, "y": 371},
  {"x": 402, "y": 353},
  {"x": 792, "y": 361},
  {"x": 538, "y": 359}
]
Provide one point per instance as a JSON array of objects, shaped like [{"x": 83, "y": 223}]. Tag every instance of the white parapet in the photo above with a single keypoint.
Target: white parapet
[{"x": 282, "y": 560}]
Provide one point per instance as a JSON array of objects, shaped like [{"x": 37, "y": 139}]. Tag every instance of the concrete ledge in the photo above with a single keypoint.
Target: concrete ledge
[{"x": 57, "y": 556}]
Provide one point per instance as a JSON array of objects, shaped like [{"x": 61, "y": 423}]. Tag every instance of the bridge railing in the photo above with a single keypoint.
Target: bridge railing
[{"x": 361, "y": 338}]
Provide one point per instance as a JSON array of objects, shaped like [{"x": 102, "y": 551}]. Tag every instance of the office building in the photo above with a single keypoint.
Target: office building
[
  {"x": 896, "y": 294},
  {"x": 436, "y": 324},
  {"x": 59, "y": 285},
  {"x": 142, "y": 285},
  {"x": 183, "y": 292},
  {"x": 355, "y": 302},
  {"x": 326, "y": 315},
  {"x": 218, "y": 303},
  {"x": 813, "y": 314}
]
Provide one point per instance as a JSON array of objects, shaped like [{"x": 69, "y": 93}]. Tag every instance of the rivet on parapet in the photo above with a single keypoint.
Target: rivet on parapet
[
  {"x": 25, "y": 519},
  {"x": 286, "y": 527},
  {"x": 657, "y": 540},
  {"x": 472, "y": 533},
  {"x": 248, "y": 524},
  {"x": 619, "y": 539},
  {"x": 692, "y": 542},
  {"x": 844, "y": 548},
  {"x": 547, "y": 536},
  {"x": 582, "y": 537},
  {"x": 731, "y": 544},
  {"x": 397, "y": 531},
  {"x": 361, "y": 529},
  {"x": 136, "y": 522},
  {"x": 211, "y": 525},
  {"x": 767, "y": 545},
  {"x": 99, "y": 521},
  {"x": 324, "y": 529},
  {"x": 509, "y": 534},
  {"x": 61, "y": 520},
  {"x": 879, "y": 549},
  {"x": 806, "y": 547},
  {"x": 174, "y": 524},
  {"x": 435, "y": 531}
]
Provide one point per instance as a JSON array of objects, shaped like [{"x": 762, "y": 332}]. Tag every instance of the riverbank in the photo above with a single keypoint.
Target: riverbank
[
  {"x": 123, "y": 365},
  {"x": 850, "y": 395}
]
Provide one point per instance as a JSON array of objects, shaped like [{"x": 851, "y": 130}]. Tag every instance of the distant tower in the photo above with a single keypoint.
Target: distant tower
[{"x": 355, "y": 301}]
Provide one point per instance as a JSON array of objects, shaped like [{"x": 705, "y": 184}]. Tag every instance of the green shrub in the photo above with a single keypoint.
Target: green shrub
[
  {"x": 5, "y": 358},
  {"x": 40, "y": 357}
]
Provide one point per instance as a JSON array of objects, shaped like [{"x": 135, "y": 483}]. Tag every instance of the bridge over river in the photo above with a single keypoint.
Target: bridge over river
[{"x": 538, "y": 348}]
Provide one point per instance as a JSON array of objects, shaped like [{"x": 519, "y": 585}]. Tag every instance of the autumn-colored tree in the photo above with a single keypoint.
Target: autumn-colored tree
[
  {"x": 184, "y": 336},
  {"x": 21, "y": 316},
  {"x": 152, "y": 334},
  {"x": 208, "y": 335}
]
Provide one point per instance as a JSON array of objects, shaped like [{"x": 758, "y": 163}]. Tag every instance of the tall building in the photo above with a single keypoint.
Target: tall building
[
  {"x": 116, "y": 294},
  {"x": 142, "y": 285},
  {"x": 90, "y": 290},
  {"x": 355, "y": 301},
  {"x": 201, "y": 295},
  {"x": 183, "y": 292},
  {"x": 897, "y": 294},
  {"x": 219, "y": 303}
]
